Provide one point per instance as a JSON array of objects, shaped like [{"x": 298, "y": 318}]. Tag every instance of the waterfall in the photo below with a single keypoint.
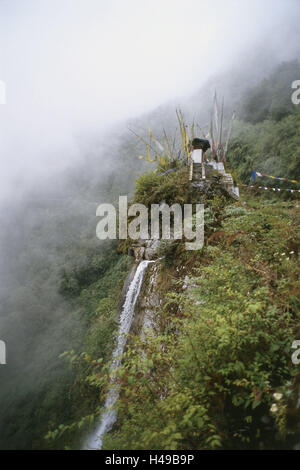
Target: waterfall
[{"x": 109, "y": 416}]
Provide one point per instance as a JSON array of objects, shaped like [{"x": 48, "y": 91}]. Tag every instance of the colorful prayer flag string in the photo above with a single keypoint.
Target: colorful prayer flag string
[
  {"x": 266, "y": 188},
  {"x": 254, "y": 174}
]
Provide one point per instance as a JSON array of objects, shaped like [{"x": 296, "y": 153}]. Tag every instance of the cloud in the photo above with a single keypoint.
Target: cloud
[{"x": 74, "y": 67}]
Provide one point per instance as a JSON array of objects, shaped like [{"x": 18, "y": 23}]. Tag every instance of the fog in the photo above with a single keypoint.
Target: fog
[
  {"x": 74, "y": 68},
  {"x": 78, "y": 74}
]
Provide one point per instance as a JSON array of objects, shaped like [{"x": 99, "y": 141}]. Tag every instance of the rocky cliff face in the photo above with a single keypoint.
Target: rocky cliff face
[
  {"x": 150, "y": 298},
  {"x": 200, "y": 290},
  {"x": 152, "y": 295}
]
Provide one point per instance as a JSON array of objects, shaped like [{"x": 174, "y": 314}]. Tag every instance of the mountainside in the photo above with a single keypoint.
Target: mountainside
[
  {"x": 223, "y": 319},
  {"x": 211, "y": 347}
]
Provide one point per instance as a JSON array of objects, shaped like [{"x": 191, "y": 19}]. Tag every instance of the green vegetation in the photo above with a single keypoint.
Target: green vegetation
[
  {"x": 266, "y": 137},
  {"x": 270, "y": 147},
  {"x": 206, "y": 377},
  {"x": 271, "y": 98},
  {"x": 60, "y": 293},
  {"x": 99, "y": 305}
]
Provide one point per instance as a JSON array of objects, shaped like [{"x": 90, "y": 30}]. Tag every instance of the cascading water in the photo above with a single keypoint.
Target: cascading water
[{"x": 109, "y": 415}]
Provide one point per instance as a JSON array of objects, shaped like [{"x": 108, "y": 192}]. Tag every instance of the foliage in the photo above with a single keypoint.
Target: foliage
[
  {"x": 269, "y": 147},
  {"x": 49, "y": 238},
  {"x": 99, "y": 304},
  {"x": 271, "y": 98},
  {"x": 266, "y": 137},
  {"x": 152, "y": 188},
  {"x": 206, "y": 376}
]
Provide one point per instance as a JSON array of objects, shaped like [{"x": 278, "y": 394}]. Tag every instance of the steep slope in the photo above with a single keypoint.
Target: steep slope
[
  {"x": 209, "y": 361},
  {"x": 61, "y": 287}
]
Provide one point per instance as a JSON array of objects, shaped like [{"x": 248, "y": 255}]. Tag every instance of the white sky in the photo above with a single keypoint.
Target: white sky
[{"x": 73, "y": 66}]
